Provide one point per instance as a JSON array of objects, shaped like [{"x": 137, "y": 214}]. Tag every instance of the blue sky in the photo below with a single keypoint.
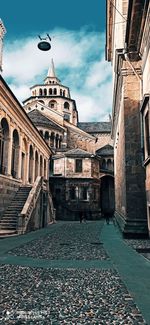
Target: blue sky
[{"x": 77, "y": 29}]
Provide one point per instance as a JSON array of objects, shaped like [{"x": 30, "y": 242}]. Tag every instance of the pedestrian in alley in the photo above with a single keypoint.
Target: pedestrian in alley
[{"x": 107, "y": 217}]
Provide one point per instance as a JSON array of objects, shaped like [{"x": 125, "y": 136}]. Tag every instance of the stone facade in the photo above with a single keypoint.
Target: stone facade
[
  {"x": 24, "y": 156},
  {"x": 70, "y": 141},
  {"x": 130, "y": 79}
]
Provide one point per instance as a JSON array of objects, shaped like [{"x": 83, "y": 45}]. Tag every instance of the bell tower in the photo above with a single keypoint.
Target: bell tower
[{"x": 2, "y": 33}]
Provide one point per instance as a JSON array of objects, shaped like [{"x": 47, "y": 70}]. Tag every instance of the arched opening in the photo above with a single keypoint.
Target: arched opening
[
  {"x": 41, "y": 166},
  {"x": 50, "y": 91},
  {"x": 36, "y": 164},
  {"x": 64, "y": 93},
  {"x": 41, "y": 101},
  {"x": 4, "y": 145},
  {"x": 24, "y": 157},
  {"x": 47, "y": 137},
  {"x": 53, "y": 104},
  {"x": 55, "y": 91},
  {"x": 15, "y": 154},
  {"x": 52, "y": 139},
  {"x": 107, "y": 196},
  {"x": 41, "y": 132},
  {"x": 60, "y": 142},
  {"x": 103, "y": 164},
  {"x": 31, "y": 159},
  {"x": 60, "y": 92},
  {"x": 45, "y": 92},
  {"x": 40, "y": 92},
  {"x": 109, "y": 164},
  {"x": 57, "y": 140},
  {"x": 66, "y": 105}
]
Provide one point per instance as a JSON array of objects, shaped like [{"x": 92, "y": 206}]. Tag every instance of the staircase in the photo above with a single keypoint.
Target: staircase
[{"x": 9, "y": 221}]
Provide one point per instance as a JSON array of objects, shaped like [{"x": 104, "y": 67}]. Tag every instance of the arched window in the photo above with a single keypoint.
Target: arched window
[
  {"x": 55, "y": 91},
  {"x": 47, "y": 137},
  {"x": 66, "y": 105},
  {"x": 45, "y": 92},
  {"x": 60, "y": 92},
  {"x": 40, "y": 92},
  {"x": 50, "y": 91},
  {"x": 41, "y": 132},
  {"x": 15, "y": 154},
  {"x": 103, "y": 164},
  {"x": 109, "y": 164},
  {"x": 53, "y": 104},
  {"x": 41, "y": 101},
  {"x": 4, "y": 146},
  {"x": 64, "y": 93}
]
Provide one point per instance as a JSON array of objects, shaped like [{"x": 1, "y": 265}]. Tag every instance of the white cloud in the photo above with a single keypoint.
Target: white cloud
[{"x": 79, "y": 62}]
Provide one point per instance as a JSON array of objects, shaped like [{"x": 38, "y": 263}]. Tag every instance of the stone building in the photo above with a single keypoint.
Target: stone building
[
  {"x": 74, "y": 145},
  {"x": 127, "y": 47},
  {"x": 24, "y": 161},
  {"x": 47, "y": 156}
]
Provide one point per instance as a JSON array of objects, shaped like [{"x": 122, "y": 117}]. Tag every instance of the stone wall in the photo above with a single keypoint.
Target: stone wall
[
  {"x": 75, "y": 140},
  {"x": 102, "y": 140},
  {"x": 8, "y": 189}
]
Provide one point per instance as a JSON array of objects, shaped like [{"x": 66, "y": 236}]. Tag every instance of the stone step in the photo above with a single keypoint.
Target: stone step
[
  {"x": 8, "y": 221},
  {"x": 7, "y": 233},
  {"x": 10, "y": 227}
]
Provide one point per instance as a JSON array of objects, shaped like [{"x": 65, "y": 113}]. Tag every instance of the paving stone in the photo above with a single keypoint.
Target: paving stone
[
  {"x": 142, "y": 246},
  {"x": 72, "y": 241},
  {"x": 65, "y": 296}
]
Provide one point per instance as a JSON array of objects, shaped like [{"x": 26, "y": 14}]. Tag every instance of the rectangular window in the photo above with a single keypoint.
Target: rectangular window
[
  {"x": 83, "y": 193},
  {"x": 78, "y": 166}
]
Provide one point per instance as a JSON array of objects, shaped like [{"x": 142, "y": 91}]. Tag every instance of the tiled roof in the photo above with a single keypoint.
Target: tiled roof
[
  {"x": 98, "y": 127},
  {"x": 105, "y": 151},
  {"x": 78, "y": 153},
  {"x": 39, "y": 119}
]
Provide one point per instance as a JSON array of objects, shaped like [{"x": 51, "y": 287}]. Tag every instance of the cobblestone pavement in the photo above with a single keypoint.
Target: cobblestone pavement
[
  {"x": 72, "y": 296},
  {"x": 73, "y": 242},
  {"x": 142, "y": 246}
]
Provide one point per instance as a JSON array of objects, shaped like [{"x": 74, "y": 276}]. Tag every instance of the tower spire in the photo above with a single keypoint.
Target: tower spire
[
  {"x": 51, "y": 75},
  {"x": 51, "y": 70}
]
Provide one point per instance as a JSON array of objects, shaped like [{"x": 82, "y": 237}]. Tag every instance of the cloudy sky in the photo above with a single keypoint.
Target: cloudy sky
[{"x": 77, "y": 30}]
